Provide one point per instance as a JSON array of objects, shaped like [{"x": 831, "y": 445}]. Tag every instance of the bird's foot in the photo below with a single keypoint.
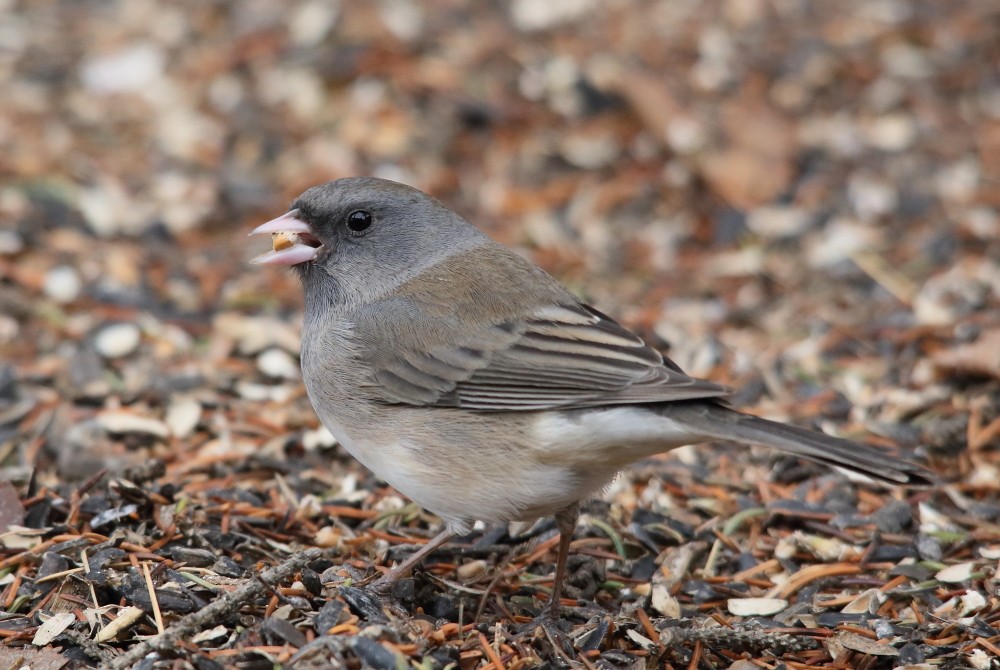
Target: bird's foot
[{"x": 381, "y": 588}]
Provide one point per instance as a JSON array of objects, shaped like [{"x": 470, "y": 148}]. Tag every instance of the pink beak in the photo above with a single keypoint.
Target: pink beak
[{"x": 295, "y": 254}]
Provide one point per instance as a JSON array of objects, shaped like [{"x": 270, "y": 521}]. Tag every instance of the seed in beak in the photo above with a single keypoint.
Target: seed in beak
[{"x": 283, "y": 240}]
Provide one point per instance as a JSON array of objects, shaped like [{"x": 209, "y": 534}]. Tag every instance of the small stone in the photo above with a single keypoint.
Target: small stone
[
  {"x": 685, "y": 135},
  {"x": 590, "y": 152},
  {"x": 117, "y": 340},
  {"x": 958, "y": 182},
  {"x": 10, "y": 243},
  {"x": 62, "y": 284},
  {"x": 839, "y": 240},
  {"x": 278, "y": 363},
  {"x": 893, "y": 132},
  {"x": 884, "y": 629},
  {"x": 894, "y": 517},
  {"x": 404, "y": 18},
  {"x": 906, "y": 61},
  {"x": 756, "y": 606},
  {"x": 9, "y": 329},
  {"x": 253, "y": 335},
  {"x": 991, "y": 552},
  {"x": 310, "y": 22},
  {"x": 183, "y": 416},
  {"x": 471, "y": 570},
  {"x": 983, "y": 222},
  {"x": 640, "y": 639},
  {"x": 972, "y": 601},
  {"x": 871, "y": 197},
  {"x": 533, "y": 15},
  {"x": 328, "y": 536},
  {"x": 824, "y": 548},
  {"x": 777, "y": 221},
  {"x": 959, "y": 572},
  {"x": 664, "y": 603},
  {"x": 265, "y": 392},
  {"x": 980, "y": 660},
  {"x": 785, "y": 549},
  {"x": 120, "y": 423},
  {"x": 319, "y": 438},
  {"x": 929, "y": 548},
  {"x": 211, "y": 634},
  {"x": 131, "y": 69}
]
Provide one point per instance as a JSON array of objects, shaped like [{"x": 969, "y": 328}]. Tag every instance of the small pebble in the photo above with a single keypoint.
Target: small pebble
[
  {"x": 589, "y": 152},
  {"x": 983, "y": 222},
  {"x": 130, "y": 69},
  {"x": 980, "y": 660},
  {"x": 122, "y": 423},
  {"x": 954, "y": 574},
  {"x": 972, "y": 601},
  {"x": 183, "y": 416},
  {"x": 777, "y": 221},
  {"x": 211, "y": 634},
  {"x": 278, "y": 363},
  {"x": 309, "y": 22},
  {"x": 62, "y": 284},
  {"x": 531, "y": 15},
  {"x": 893, "y": 517},
  {"x": 892, "y": 132},
  {"x": 9, "y": 328},
  {"x": 840, "y": 238},
  {"x": 471, "y": 570},
  {"x": 315, "y": 439},
  {"x": 685, "y": 135},
  {"x": 991, "y": 552},
  {"x": 253, "y": 335},
  {"x": 906, "y": 61},
  {"x": 756, "y": 606},
  {"x": 117, "y": 340},
  {"x": 871, "y": 197},
  {"x": 10, "y": 243},
  {"x": 664, "y": 603},
  {"x": 404, "y": 18},
  {"x": 958, "y": 182}
]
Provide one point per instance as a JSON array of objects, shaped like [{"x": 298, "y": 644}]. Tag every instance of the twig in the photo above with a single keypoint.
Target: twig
[
  {"x": 736, "y": 640},
  {"x": 157, "y": 616},
  {"x": 184, "y": 628}
]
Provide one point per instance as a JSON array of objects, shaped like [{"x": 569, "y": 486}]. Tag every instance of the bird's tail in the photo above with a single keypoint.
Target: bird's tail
[{"x": 719, "y": 422}]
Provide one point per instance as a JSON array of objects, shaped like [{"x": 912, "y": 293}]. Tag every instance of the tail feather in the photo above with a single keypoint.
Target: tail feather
[{"x": 719, "y": 422}]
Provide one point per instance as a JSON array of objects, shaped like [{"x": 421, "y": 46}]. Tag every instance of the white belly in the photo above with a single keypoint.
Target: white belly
[{"x": 462, "y": 474}]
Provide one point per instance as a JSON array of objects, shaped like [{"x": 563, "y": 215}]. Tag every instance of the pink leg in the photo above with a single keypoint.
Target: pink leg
[{"x": 566, "y": 521}]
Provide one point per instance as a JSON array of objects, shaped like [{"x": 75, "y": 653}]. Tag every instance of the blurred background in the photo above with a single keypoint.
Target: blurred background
[{"x": 787, "y": 196}]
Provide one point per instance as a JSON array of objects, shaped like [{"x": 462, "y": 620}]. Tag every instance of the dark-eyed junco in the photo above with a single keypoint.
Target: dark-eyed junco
[{"x": 475, "y": 383}]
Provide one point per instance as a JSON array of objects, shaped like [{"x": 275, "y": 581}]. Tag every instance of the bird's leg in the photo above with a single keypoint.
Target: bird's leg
[
  {"x": 383, "y": 585},
  {"x": 548, "y": 618},
  {"x": 566, "y": 522}
]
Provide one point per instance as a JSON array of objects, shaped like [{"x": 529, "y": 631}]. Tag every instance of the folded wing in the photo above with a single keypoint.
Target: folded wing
[{"x": 555, "y": 356}]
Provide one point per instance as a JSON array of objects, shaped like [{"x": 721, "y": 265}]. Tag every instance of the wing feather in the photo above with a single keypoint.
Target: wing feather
[{"x": 556, "y": 356}]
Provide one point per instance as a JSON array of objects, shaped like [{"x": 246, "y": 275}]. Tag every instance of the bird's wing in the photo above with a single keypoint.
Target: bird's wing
[{"x": 564, "y": 355}]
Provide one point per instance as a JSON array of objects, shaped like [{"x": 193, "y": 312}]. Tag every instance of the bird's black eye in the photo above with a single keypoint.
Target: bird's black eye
[{"x": 359, "y": 221}]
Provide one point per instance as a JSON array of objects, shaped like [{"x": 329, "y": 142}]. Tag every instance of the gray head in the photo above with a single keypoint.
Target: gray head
[{"x": 361, "y": 237}]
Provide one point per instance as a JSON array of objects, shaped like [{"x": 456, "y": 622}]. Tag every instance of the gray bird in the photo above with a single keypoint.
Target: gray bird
[{"x": 476, "y": 384}]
